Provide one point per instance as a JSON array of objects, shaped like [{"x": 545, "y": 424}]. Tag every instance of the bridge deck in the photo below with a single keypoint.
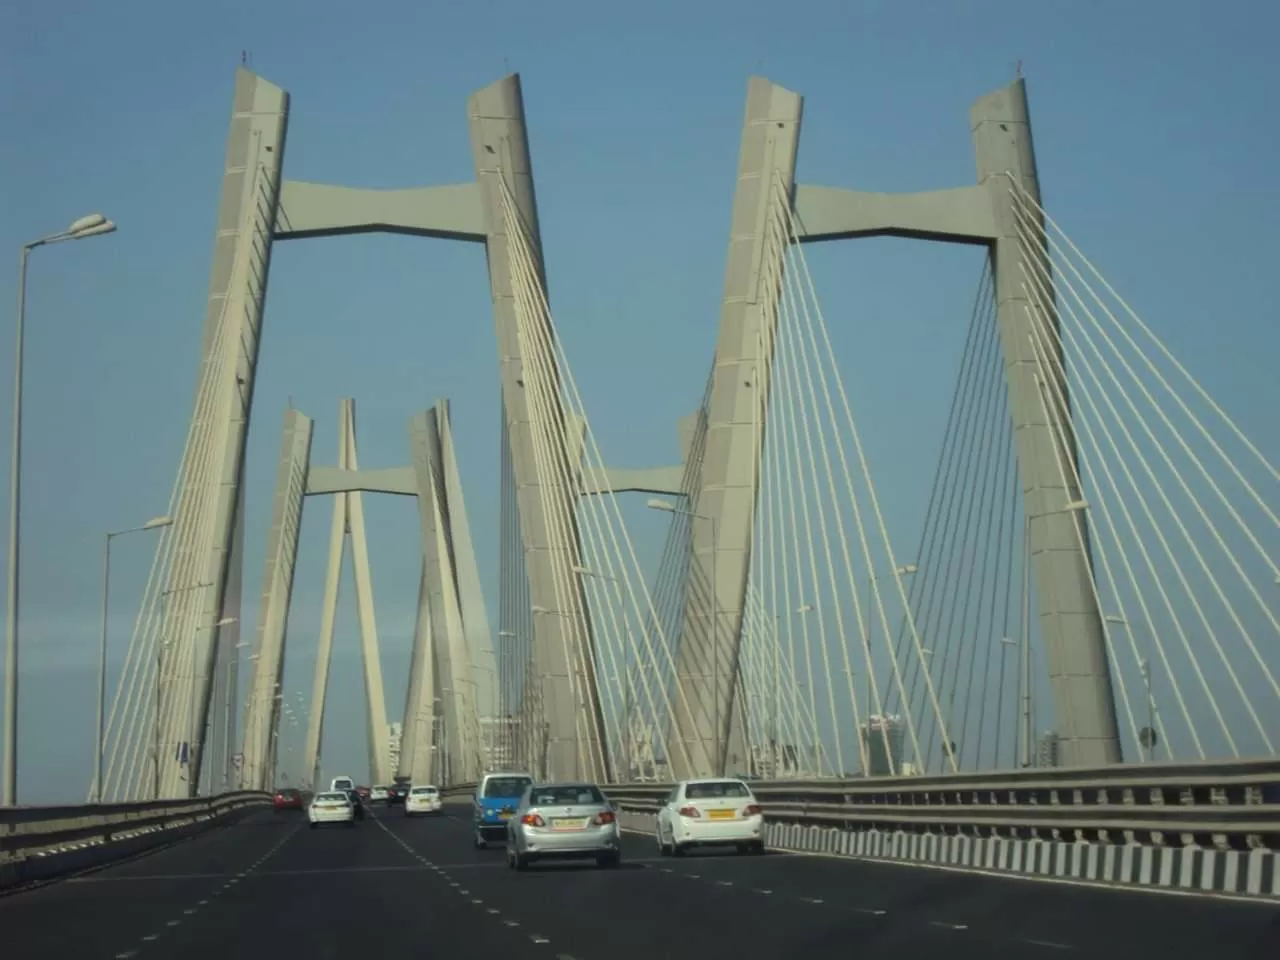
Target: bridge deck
[{"x": 269, "y": 887}]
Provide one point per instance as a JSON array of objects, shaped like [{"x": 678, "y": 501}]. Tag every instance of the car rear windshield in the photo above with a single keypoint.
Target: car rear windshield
[
  {"x": 506, "y": 786},
  {"x": 715, "y": 791},
  {"x": 564, "y": 796},
  {"x": 330, "y": 797},
  {"x": 423, "y": 791}
]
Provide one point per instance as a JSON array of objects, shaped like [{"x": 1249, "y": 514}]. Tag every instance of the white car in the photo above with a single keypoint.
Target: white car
[
  {"x": 424, "y": 799},
  {"x": 377, "y": 794},
  {"x": 342, "y": 783},
  {"x": 716, "y": 811},
  {"x": 333, "y": 806}
]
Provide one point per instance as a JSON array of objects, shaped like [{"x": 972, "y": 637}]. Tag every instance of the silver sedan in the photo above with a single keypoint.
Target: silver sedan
[{"x": 563, "y": 821}]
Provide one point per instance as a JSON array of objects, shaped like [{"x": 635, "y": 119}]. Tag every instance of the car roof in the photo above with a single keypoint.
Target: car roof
[
  {"x": 698, "y": 780},
  {"x": 506, "y": 774}
]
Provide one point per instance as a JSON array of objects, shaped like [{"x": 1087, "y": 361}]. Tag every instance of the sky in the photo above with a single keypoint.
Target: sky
[{"x": 1155, "y": 134}]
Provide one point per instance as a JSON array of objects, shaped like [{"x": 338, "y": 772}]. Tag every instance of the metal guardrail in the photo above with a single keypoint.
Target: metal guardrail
[
  {"x": 39, "y": 842},
  {"x": 1229, "y": 804}
]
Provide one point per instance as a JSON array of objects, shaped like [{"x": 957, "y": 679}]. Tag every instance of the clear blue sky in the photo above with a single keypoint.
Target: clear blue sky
[{"x": 1155, "y": 130}]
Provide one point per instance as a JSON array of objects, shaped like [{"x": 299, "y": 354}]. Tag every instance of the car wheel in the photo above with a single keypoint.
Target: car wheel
[
  {"x": 521, "y": 861},
  {"x": 677, "y": 849},
  {"x": 314, "y": 824},
  {"x": 480, "y": 842},
  {"x": 351, "y": 823}
]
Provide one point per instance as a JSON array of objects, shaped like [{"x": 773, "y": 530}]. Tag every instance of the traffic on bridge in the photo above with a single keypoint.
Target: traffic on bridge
[{"x": 267, "y": 886}]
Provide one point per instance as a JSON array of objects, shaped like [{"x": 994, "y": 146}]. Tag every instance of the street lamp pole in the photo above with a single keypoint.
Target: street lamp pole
[
  {"x": 99, "y": 738},
  {"x": 665, "y": 507},
  {"x": 89, "y": 226}
]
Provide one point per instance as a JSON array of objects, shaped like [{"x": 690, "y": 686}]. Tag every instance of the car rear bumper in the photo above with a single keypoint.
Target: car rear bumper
[
  {"x": 541, "y": 843},
  {"x": 331, "y": 816},
  {"x": 709, "y": 832},
  {"x": 431, "y": 807}
]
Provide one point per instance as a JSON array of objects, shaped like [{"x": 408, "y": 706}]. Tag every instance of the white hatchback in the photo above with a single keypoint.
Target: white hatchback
[
  {"x": 331, "y": 807},
  {"x": 711, "y": 812},
  {"x": 424, "y": 799}
]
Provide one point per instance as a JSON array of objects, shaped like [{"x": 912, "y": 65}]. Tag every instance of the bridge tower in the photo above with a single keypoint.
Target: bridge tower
[
  {"x": 1056, "y": 527},
  {"x": 257, "y": 208}
]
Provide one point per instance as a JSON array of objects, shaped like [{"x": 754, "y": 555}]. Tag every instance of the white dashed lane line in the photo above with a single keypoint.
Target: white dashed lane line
[
  {"x": 462, "y": 891},
  {"x": 228, "y": 883}
]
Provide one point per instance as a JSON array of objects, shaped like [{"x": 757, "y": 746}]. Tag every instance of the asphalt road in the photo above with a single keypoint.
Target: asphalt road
[{"x": 269, "y": 887}]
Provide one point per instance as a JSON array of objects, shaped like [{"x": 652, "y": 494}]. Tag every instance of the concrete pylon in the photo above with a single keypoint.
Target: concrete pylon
[
  {"x": 348, "y": 525},
  {"x": 456, "y": 625},
  {"x": 706, "y": 736},
  {"x": 262, "y": 714},
  {"x": 208, "y": 506},
  {"x": 563, "y": 650}
]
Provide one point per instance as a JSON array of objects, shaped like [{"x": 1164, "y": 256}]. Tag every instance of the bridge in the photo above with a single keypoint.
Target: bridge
[{"x": 1061, "y": 703}]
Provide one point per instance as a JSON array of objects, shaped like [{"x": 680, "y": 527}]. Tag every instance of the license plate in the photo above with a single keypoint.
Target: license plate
[
  {"x": 504, "y": 816},
  {"x": 567, "y": 823},
  {"x": 721, "y": 814}
]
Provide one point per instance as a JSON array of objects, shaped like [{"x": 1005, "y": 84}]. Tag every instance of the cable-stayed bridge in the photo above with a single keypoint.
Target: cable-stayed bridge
[{"x": 1089, "y": 619}]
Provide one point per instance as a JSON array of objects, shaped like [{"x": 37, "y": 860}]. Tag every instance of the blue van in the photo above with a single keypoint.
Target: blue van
[{"x": 496, "y": 799}]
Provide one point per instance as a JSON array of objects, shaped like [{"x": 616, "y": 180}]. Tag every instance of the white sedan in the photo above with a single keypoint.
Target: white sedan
[
  {"x": 332, "y": 807},
  {"x": 424, "y": 799},
  {"x": 710, "y": 812}
]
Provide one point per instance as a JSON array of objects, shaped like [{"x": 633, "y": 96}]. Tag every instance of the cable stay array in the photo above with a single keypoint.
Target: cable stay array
[
  {"x": 965, "y": 588},
  {"x": 827, "y": 596},
  {"x": 1183, "y": 513},
  {"x": 152, "y": 722},
  {"x": 605, "y": 595}
]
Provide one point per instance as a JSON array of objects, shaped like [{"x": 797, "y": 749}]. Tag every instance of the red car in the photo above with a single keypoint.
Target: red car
[
  {"x": 287, "y": 798},
  {"x": 363, "y": 793}
]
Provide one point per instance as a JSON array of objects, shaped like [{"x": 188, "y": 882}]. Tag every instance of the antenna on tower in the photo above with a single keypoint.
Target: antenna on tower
[{"x": 1017, "y": 70}]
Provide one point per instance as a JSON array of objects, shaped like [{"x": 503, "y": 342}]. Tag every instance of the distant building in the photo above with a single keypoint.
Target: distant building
[
  {"x": 882, "y": 738},
  {"x": 395, "y": 733},
  {"x": 1048, "y": 750}
]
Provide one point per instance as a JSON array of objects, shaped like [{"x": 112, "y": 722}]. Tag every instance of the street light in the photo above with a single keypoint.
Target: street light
[
  {"x": 90, "y": 226},
  {"x": 668, "y": 507},
  {"x": 1146, "y": 737},
  {"x": 152, "y": 524},
  {"x": 1071, "y": 506}
]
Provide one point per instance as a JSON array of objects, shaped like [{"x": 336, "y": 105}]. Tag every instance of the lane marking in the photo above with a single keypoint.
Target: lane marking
[
  {"x": 812, "y": 899},
  {"x": 761, "y": 890},
  {"x": 1051, "y": 944},
  {"x": 948, "y": 926},
  {"x": 874, "y": 913},
  {"x": 537, "y": 938}
]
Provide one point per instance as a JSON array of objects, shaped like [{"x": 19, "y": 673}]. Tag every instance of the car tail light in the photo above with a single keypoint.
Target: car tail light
[
  {"x": 752, "y": 810},
  {"x": 533, "y": 820},
  {"x": 605, "y": 816},
  {"x": 690, "y": 811}
]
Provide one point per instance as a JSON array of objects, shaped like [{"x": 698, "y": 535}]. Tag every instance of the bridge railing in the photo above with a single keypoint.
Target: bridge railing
[
  {"x": 39, "y": 843},
  {"x": 1232, "y": 804},
  {"x": 1228, "y": 804}
]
